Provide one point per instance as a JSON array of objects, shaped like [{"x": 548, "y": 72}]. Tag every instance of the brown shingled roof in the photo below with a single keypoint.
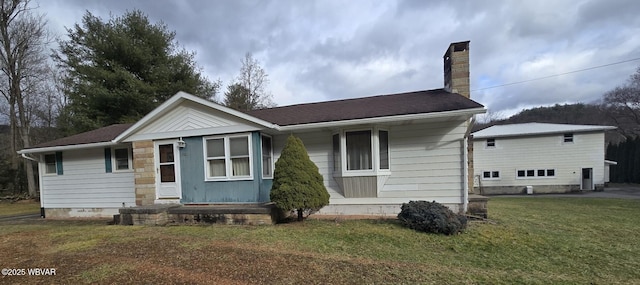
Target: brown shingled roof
[
  {"x": 105, "y": 134},
  {"x": 419, "y": 102}
]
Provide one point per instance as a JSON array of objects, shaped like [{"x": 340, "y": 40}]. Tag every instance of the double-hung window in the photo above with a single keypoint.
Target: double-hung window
[
  {"x": 53, "y": 164},
  {"x": 122, "y": 159},
  {"x": 228, "y": 157},
  {"x": 360, "y": 151},
  {"x": 50, "y": 164}
]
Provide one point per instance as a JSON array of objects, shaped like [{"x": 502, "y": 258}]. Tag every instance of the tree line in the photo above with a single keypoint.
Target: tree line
[{"x": 105, "y": 71}]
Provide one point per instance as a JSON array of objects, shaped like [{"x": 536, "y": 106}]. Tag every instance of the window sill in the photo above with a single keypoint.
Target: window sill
[
  {"x": 535, "y": 178},
  {"x": 356, "y": 173},
  {"x": 228, "y": 179}
]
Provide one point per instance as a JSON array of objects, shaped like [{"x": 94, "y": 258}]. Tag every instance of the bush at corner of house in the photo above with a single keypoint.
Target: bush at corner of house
[{"x": 431, "y": 217}]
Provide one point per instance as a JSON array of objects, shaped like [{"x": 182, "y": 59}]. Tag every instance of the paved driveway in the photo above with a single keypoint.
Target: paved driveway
[{"x": 620, "y": 191}]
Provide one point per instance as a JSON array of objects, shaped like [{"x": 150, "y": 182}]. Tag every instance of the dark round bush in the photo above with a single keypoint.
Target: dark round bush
[{"x": 431, "y": 217}]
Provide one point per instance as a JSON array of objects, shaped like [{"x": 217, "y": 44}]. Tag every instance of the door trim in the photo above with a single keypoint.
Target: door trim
[
  {"x": 590, "y": 179},
  {"x": 178, "y": 180}
]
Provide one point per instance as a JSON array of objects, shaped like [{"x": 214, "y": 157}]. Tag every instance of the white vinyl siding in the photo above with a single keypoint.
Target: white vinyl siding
[
  {"x": 192, "y": 119},
  {"x": 425, "y": 162},
  {"x": 85, "y": 184},
  {"x": 560, "y": 161}
]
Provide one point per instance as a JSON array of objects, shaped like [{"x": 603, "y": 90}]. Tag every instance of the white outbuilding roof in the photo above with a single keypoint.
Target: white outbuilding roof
[{"x": 528, "y": 129}]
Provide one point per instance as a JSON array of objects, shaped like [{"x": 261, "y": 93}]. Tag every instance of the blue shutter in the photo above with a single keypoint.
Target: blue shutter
[
  {"x": 59, "y": 162},
  {"x": 107, "y": 160}
]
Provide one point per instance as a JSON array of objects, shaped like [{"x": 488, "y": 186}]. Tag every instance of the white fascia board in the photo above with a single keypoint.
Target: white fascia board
[
  {"x": 543, "y": 133},
  {"x": 179, "y": 98},
  {"x": 66, "y": 147},
  {"x": 377, "y": 120},
  {"x": 610, "y": 162},
  {"x": 191, "y": 133}
]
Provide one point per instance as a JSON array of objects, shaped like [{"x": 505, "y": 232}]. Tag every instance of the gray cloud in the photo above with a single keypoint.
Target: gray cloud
[{"x": 320, "y": 50}]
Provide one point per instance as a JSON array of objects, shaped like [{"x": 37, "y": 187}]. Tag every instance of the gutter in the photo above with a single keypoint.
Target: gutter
[
  {"x": 386, "y": 119},
  {"x": 24, "y": 155},
  {"x": 66, "y": 147}
]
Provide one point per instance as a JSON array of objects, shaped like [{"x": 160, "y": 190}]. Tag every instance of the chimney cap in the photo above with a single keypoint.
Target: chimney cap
[{"x": 458, "y": 46}]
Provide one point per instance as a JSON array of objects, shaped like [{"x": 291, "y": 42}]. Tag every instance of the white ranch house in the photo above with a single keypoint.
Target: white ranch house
[
  {"x": 374, "y": 153},
  {"x": 539, "y": 158}
]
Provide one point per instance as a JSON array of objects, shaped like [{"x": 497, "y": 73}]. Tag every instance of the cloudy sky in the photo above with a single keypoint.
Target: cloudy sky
[{"x": 323, "y": 50}]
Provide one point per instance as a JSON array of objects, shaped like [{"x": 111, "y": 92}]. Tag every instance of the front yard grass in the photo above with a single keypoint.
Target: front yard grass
[
  {"x": 19, "y": 208},
  {"x": 534, "y": 240}
]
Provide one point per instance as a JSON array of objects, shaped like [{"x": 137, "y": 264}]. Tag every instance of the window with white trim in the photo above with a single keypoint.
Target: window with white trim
[
  {"x": 536, "y": 173},
  {"x": 359, "y": 150},
  {"x": 122, "y": 159},
  {"x": 228, "y": 157},
  {"x": 267, "y": 157},
  {"x": 491, "y": 175},
  {"x": 383, "y": 143},
  {"x": 491, "y": 142},
  {"x": 336, "y": 152},
  {"x": 50, "y": 164}
]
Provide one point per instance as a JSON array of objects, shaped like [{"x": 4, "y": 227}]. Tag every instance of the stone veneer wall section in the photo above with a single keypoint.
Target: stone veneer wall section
[{"x": 145, "y": 179}]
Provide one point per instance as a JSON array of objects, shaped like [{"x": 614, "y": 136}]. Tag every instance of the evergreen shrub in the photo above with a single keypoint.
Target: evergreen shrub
[
  {"x": 431, "y": 217},
  {"x": 297, "y": 183}
]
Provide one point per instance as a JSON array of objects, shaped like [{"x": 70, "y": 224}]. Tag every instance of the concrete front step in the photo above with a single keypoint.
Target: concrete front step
[{"x": 174, "y": 214}]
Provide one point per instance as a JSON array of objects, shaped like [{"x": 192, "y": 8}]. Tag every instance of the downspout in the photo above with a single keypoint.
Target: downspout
[
  {"x": 25, "y": 156},
  {"x": 465, "y": 146}
]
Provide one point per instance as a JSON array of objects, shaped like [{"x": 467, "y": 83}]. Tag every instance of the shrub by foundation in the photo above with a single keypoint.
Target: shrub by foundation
[{"x": 431, "y": 217}]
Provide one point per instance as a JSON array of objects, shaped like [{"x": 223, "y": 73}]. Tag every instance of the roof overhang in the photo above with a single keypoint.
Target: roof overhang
[
  {"x": 388, "y": 119},
  {"x": 66, "y": 147},
  {"x": 527, "y": 134}
]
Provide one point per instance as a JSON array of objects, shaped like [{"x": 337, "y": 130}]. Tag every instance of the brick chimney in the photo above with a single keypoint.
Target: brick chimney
[{"x": 456, "y": 69}]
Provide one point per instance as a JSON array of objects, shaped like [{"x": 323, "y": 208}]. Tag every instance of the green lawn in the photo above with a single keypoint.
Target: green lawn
[
  {"x": 19, "y": 208},
  {"x": 534, "y": 240}
]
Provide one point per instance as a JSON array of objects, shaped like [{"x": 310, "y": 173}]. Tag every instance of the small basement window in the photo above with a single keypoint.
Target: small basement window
[
  {"x": 568, "y": 138},
  {"x": 521, "y": 173},
  {"x": 551, "y": 172},
  {"x": 486, "y": 175},
  {"x": 491, "y": 142}
]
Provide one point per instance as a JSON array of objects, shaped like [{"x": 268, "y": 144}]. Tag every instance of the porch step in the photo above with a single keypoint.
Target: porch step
[
  {"x": 478, "y": 205},
  {"x": 168, "y": 214},
  {"x": 224, "y": 209}
]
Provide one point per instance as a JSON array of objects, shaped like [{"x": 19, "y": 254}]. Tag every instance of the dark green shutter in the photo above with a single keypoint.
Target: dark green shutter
[{"x": 59, "y": 162}]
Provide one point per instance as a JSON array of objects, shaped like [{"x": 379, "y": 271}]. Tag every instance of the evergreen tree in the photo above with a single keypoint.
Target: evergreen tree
[
  {"x": 297, "y": 183},
  {"x": 237, "y": 97},
  {"x": 117, "y": 71}
]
